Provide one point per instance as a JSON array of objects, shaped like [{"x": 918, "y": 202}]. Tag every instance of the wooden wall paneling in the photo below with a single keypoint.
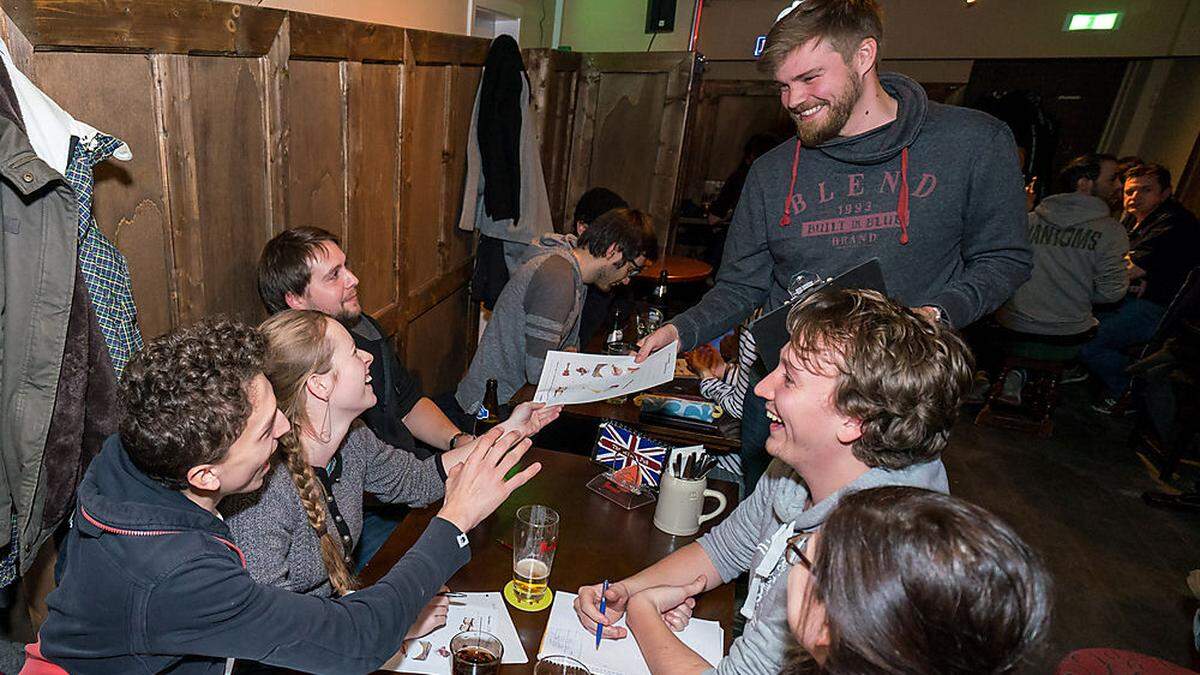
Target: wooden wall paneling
[
  {"x": 129, "y": 202},
  {"x": 221, "y": 217},
  {"x": 442, "y": 74},
  {"x": 701, "y": 129},
  {"x": 629, "y": 114},
  {"x": 158, "y": 26},
  {"x": 424, "y": 181},
  {"x": 553, "y": 76},
  {"x": 464, "y": 82},
  {"x": 727, "y": 114},
  {"x": 583, "y": 129},
  {"x": 373, "y": 96},
  {"x": 317, "y": 170},
  {"x": 277, "y": 126},
  {"x": 668, "y": 167},
  {"x": 19, "y": 47},
  {"x": 177, "y": 142},
  {"x": 631, "y": 110},
  {"x": 434, "y": 351}
]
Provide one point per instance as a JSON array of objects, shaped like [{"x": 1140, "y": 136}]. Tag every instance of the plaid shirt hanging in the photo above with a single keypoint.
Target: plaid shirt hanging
[{"x": 104, "y": 269}]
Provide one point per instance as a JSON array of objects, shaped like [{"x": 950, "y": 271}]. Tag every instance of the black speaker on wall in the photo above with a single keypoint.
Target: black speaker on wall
[{"x": 660, "y": 16}]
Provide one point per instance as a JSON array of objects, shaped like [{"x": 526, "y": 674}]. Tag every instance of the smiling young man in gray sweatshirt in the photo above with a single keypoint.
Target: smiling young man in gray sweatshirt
[
  {"x": 876, "y": 170},
  {"x": 865, "y": 394}
]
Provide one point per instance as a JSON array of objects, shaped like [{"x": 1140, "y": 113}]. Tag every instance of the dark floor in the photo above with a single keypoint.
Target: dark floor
[{"x": 1119, "y": 565}]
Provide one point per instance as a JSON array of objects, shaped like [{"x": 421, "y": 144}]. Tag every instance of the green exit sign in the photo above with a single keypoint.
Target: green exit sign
[{"x": 1101, "y": 21}]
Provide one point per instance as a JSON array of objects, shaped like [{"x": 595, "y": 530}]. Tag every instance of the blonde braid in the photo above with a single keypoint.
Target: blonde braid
[
  {"x": 312, "y": 498},
  {"x": 296, "y": 349}
]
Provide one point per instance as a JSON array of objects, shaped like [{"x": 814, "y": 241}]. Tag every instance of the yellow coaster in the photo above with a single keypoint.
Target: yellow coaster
[{"x": 511, "y": 596}]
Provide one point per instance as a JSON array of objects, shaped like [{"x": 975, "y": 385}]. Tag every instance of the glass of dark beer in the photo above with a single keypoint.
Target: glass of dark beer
[{"x": 476, "y": 652}]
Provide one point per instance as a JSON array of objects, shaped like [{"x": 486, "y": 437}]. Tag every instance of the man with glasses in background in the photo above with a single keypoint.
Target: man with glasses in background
[{"x": 539, "y": 309}]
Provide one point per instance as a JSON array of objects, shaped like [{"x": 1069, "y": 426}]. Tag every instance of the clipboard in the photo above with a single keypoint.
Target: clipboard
[{"x": 770, "y": 330}]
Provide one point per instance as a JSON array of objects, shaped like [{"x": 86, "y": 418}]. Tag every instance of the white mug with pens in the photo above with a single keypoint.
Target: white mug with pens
[{"x": 682, "y": 492}]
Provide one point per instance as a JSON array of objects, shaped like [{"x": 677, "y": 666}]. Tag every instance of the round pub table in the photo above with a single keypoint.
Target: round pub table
[{"x": 680, "y": 269}]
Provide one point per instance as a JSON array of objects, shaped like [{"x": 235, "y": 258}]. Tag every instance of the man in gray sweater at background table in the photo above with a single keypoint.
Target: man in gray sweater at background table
[{"x": 539, "y": 309}]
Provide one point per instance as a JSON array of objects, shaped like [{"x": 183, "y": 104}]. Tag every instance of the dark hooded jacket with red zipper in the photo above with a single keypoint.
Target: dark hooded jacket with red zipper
[
  {"x": 152, "y": 582},
  {"x": 935, "y": 195}
]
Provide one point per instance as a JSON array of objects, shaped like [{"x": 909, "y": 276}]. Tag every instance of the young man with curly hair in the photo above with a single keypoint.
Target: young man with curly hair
[
  {"x": 865, "y": 394},
  {"x": 151, "y": 580}
]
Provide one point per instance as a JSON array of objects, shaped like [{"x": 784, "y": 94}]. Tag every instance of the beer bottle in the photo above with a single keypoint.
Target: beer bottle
[
  {"x": 658, "y": 301},
  {"x": 488, "y": 415},
  {"x": 615, "y": 342}
]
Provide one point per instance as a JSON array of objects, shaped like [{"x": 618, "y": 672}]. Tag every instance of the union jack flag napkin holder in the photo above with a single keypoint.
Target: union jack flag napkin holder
[{"x": 633, "y": 464}]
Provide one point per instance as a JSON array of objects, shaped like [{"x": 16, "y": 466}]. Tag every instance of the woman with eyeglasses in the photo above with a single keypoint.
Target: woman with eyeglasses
[{"x": 899, "y": 580}]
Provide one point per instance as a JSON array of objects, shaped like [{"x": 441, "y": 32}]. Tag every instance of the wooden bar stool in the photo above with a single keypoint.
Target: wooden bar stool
[{"x": 1043, "y": 363}]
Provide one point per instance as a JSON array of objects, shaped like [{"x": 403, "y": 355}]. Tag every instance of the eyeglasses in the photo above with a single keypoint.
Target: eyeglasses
[
  {"x": 637, "y": 269},
  {"x": 794, "y": 553}
]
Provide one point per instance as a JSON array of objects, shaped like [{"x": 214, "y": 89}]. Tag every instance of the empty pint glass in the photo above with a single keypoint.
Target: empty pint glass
[{"x": 535, "y": 537}]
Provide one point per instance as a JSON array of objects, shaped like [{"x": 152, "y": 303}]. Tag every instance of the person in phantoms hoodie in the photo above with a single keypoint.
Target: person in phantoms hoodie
[{"x": 876, "y": 170}]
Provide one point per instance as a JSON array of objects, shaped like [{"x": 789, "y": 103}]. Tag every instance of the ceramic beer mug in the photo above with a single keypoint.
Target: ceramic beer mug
[{"x": 680, "y": 509}]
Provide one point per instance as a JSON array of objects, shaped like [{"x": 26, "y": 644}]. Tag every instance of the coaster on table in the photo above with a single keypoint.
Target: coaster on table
[{"x": 510, "y": 594}]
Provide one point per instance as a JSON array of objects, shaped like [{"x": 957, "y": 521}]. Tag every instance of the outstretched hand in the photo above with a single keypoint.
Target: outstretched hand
[
  {"x": 476, "y": 487},
  {"x": 529, "y": 418},
  {"x": 655, "y": 341}
]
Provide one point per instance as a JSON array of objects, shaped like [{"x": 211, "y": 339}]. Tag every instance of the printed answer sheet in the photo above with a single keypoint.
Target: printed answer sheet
[
  {"x": 570, "y": 377},
  {"x": 564, "y": 635},
  {"x": 477, "y": 611}
]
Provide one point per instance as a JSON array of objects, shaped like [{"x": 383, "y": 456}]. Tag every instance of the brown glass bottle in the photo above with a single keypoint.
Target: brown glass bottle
[{"x": 488, "y": 415}]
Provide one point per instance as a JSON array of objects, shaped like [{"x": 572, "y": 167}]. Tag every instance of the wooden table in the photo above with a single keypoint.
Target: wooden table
[
  {"x": 680, "y": 269},
  {"x": 725, "y": 439},
  {"x": 596, "y": 539}
]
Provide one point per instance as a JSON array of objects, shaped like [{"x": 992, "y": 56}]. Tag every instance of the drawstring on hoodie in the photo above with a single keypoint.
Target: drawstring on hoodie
[
  {"x": 901, "y": 205},
  {"x": 786, "y": 219}
]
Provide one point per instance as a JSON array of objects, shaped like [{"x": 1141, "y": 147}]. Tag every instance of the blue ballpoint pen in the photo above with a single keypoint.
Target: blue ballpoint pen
[{"x": 603, "y": 602}]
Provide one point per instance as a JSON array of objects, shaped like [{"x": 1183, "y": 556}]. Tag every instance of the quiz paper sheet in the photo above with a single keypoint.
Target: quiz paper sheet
[
  {"x": 570, "y": 377},
  {"x": 564, "y": 635},
  {"x": 477, "y": 611}
]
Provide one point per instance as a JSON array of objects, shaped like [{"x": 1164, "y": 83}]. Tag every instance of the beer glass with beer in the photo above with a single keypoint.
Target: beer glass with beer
[{"x": 535, "y": 538}]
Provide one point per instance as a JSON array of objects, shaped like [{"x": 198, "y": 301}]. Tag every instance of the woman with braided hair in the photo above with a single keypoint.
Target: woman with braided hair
[{"x": 300, "y": 530}]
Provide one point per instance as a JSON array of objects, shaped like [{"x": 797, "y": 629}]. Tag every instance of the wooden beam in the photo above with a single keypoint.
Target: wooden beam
[
  {"x": 439, "y": 289},
  {"x": 155, "y": 26},
  {"x": 637, "y": 62},
  {"x": 429, "y": 48},
  {"x": 323, "y": 37}
]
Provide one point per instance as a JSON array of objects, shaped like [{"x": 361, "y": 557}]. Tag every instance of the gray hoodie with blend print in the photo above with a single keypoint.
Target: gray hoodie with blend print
[{"x": 936, "y": 195}]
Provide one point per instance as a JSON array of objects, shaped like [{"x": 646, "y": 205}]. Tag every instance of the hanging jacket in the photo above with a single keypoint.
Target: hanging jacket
[
  {"x": 935, "y": 195},
  {"x": 501, "y": 100},
  {"x": 534, "y": 203},
  {"x": 37, "y": 284}
]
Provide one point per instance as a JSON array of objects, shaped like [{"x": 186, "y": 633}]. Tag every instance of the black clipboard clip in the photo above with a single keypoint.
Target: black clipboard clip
[{"x": 770, "y": 330}]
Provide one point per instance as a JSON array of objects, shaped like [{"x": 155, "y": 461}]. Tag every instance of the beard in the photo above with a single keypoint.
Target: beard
[
  {"x": 349, "y": 318},
  {"x": 813, "y": 134}
]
